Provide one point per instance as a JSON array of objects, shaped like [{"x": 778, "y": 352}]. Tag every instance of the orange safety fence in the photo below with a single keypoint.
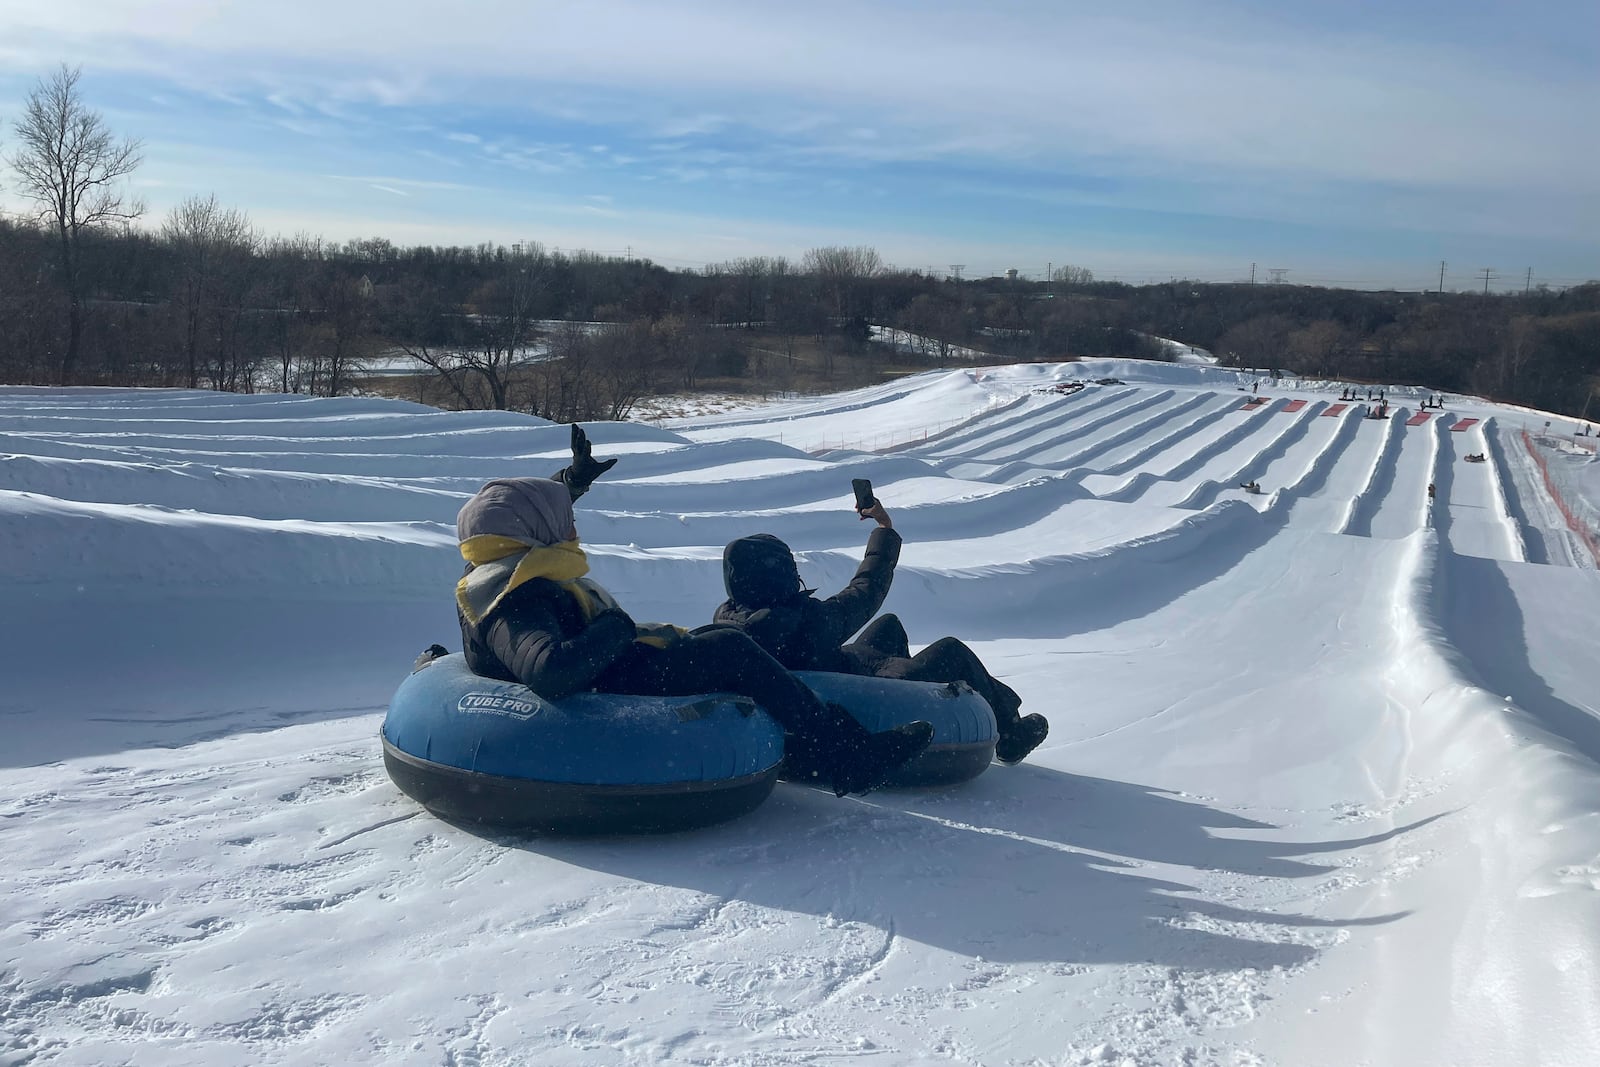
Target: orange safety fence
[{"x": 1574, "y": 524}]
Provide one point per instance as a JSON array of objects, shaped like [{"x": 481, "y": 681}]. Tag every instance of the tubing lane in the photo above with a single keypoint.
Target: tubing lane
[
  {"x": 1207, "y": 489},
  {"x": 1358, "y": 518},
  {"x": 1516, "y": 545},
  {"x": 1525, "y": 546}
]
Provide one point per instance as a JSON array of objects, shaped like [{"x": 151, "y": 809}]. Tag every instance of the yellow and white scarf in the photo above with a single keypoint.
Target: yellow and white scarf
[{"x": 500, "y": 564}]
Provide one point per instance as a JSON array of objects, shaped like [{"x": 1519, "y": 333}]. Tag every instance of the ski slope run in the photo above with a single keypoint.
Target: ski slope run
[{"x": 1321, "y": 785}]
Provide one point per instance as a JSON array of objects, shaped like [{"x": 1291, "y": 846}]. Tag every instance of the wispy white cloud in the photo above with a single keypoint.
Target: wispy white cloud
[
  {"x": 1165, "y": 86},
  {"x": 414, "y": 184},
  {"x": 285, "y": 102},
  {"x": 307, "y": 128},
  {"x": 691, "y": 125},
  {"x": 437, "y": 157},
  {"x": 1470, "y": 123},
  {"x": 537, "y": 157}
]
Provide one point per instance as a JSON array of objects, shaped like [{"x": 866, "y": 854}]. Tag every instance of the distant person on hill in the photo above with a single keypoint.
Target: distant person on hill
[
  {"x": 529, "y": 615},
  {"x": 1250, "y": 486},
  {"x": 767, "y": 600}
]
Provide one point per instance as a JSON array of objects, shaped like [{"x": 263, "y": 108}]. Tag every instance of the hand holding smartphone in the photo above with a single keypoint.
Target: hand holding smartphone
[{"x": 864, "y": 497}]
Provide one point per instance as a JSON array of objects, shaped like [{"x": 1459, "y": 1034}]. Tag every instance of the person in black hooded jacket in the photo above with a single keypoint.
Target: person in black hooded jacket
[
  {"x": 528, "y": 614},
  {"x": 768, "y": 601}
]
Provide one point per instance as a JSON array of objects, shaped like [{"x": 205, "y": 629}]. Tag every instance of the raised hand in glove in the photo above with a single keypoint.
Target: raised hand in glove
[{"x": 585, "y": 468}]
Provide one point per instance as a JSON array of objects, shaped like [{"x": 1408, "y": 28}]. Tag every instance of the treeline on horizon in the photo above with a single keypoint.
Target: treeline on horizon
[{"x": 204, "y": 301}]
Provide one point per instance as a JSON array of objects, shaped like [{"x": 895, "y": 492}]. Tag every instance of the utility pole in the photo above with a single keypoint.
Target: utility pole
[
  {"x": 1252, "y": 274},
  {"x": 1528, "y": 283},
  {"x": 1488, "y": 272},
  {"x": 1441, "y": 276}
]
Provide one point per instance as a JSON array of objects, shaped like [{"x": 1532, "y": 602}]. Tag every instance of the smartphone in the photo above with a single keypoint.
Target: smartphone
[{"x": 864, "y": 497}]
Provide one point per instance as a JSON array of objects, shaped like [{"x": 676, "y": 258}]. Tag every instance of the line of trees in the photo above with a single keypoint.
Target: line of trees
[{"x": 203, "y": 300}]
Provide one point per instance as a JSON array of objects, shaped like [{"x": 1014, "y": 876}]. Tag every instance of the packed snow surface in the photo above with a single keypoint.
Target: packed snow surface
[{"x": 1320, "y": 787}]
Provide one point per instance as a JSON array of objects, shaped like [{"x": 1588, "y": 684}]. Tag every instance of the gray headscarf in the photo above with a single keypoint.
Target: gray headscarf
[{"x": 534, "y": 511}]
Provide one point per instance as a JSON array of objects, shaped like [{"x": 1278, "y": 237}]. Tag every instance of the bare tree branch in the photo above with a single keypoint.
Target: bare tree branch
[{"x": 71, "y": 167}]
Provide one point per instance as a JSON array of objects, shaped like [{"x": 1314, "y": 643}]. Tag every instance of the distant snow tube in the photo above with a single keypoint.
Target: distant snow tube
[
  {"x": 486, "y": 751},
  {"x": 963, "y": 724}
]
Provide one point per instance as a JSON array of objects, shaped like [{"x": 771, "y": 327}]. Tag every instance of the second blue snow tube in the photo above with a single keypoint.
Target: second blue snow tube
[{"x": 963, "y": 724}]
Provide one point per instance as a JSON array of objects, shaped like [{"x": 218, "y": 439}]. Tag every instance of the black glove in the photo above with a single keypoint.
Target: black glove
[{"x": 585, "y": 468}]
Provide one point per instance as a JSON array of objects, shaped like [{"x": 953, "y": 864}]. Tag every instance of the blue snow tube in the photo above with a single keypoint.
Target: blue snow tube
[
  {"x": 963, "y": 724},
  {"x": 481, "y": 750}
]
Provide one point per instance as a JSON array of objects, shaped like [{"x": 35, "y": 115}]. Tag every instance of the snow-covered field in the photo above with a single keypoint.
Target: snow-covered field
[{"x": 1321, "y": 786}]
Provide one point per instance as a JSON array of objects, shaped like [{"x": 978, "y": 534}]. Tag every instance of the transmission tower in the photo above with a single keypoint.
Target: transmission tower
[
  {"x": 1277, "y": 274},
  {"x": 956, "y": 269}
]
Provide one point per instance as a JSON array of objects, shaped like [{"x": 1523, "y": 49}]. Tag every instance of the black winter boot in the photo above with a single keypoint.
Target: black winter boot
[
  {"x": 429, "y": 654},
  {"x": 1020, "y": 738},
  {"x": 843, "y": 754},
  {"x": 810, "y": 757},
  {"x": 867, "y": 766}
]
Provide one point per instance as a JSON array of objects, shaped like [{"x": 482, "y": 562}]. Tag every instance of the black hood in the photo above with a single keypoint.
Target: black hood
[{"x": 759, "y": 571}]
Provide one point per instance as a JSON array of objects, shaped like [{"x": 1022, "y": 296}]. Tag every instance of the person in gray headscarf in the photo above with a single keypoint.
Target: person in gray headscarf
[{"x": 529, "y": 613}]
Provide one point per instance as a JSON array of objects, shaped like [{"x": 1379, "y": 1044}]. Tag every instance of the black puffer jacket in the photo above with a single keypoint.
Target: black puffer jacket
[
  {"x": 766, "y": 601},
  {"x": 536, "y": 635}
]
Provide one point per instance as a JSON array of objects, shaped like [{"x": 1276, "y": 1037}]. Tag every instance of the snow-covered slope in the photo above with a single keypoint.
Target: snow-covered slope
[{"x": 1321, "y": 785}]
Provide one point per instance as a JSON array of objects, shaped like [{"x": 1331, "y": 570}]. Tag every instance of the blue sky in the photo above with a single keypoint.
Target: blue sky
[{"x": 1352, "y": 143}]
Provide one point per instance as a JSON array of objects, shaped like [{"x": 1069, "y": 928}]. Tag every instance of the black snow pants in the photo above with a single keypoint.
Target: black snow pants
[
  {"x": 884, "y": 651},
  {"x": 722, "y": 659}
]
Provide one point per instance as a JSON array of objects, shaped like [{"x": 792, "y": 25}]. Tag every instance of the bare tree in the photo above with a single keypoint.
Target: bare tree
[
  {"x": 346, "y": 330},
  {"x": 1502, "y": 369},
  {"x": 1316, "y": 348},
  {"x": 1070, "y": 275},
  {"x": 1257, "y": 342},
  {"x": 210, "y": 243},
  {"x": 843, "y": 274},
  {"x": 290, "y": 300},
  {"x": 748, "y": 284},
  {"x": 71, "y": 166},
  {"x": 679, "y": 346},
  {"x": 624, "y": 370},
  {"x": 501, "y": 330},
  {"x": 937, "y": 323}
]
